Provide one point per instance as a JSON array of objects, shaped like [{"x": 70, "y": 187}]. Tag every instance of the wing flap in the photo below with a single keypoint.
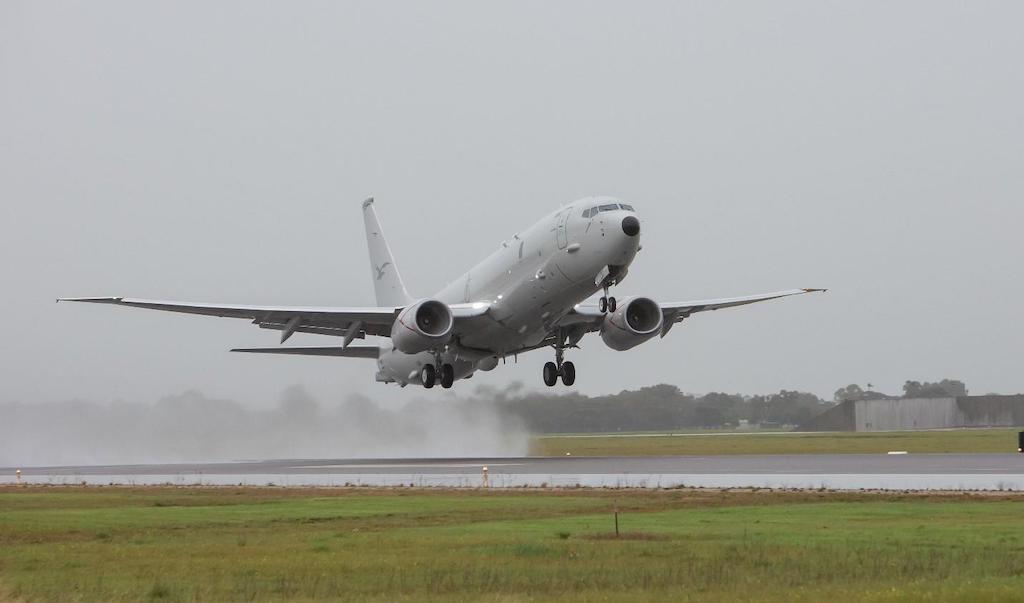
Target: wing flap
[{"x": 352, "y": 351}]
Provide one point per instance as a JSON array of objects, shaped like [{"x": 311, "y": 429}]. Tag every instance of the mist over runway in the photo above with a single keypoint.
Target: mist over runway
[{"x": 833, "y": 471}]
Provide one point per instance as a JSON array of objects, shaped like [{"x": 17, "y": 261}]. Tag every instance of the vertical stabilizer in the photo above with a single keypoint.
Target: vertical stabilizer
[{"x": 387, "y": 282}]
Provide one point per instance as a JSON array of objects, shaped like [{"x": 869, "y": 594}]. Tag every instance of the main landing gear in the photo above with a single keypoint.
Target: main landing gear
[
  {"x": 567, "y": 371},
  {"x": 559, "y": 368},
  {"x": 429, "y": 375}
]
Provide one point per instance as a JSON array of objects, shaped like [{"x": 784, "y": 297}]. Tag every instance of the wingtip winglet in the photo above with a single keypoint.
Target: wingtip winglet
[{"x": 99, "y": 300}]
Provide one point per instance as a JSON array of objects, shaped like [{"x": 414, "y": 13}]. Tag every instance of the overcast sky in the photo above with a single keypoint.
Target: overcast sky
[{"x": 220, "y": 151}]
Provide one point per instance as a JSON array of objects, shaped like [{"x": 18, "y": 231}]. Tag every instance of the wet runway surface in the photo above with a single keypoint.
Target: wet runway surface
[{"x": 838, "y": 471}]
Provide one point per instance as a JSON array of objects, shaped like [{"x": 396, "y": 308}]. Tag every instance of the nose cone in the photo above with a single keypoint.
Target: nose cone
[{"x": 631, "y": 226}]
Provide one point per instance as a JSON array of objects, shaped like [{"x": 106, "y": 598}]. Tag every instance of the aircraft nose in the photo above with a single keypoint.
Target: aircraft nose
[{"x": 631, "y": 226}]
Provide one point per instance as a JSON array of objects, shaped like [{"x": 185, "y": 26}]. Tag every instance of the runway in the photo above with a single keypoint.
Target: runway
[{"x": 834, "y": 471}]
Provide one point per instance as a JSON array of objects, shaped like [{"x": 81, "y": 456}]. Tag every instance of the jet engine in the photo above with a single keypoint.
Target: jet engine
[
  {"x": 636, "y": 320},
  {"x": 422, "y": 326}
]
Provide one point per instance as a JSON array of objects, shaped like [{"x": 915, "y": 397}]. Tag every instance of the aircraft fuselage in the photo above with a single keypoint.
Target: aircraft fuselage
[{"x": 530, "y": 282}]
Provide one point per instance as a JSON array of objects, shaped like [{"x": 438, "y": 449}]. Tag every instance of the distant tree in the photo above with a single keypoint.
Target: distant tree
[
  {"x": 850, "y": 392},
  {"x": 791, "y": 407},
  {"x": 854, "y": 392},
  {"x": 732, "y": 406},
  {"x": 954, "y": 387},
  {"x": 706, "y": 415},
  {"x": 942, "y": 389}
]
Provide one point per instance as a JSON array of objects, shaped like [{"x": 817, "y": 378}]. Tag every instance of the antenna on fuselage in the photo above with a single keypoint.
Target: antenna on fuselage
[{"x": 387, "y": 282}]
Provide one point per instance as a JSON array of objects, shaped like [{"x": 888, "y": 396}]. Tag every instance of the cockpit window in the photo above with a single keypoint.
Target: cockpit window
[{"x": 593, "y": 211}]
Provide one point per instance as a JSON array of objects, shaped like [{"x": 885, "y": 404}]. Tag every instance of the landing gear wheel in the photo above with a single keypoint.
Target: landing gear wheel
[
  {"x": 447, "y": 376},
  {"x": 602, "y": 305},
  {"x": 568, "y": 373},
  {"x": 611, "y": 304},
  {"x": 428, "y": 375},
  {"x": 550, "y": 374}
]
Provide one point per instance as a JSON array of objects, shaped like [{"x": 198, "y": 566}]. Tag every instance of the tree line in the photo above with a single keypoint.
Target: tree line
[
  {"x": 947, "y": 388},
  {"x": 653, "y": 408},
  {"x": 665, "y": 407}
]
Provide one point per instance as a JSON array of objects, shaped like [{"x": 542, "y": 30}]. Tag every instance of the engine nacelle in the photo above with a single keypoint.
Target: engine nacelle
[
  {"x": 635, "y": 320},
  {"x": 424, "y": 325}
]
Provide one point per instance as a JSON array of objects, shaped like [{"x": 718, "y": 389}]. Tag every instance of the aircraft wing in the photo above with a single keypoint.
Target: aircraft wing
[
  {"x": 674, "y": 312},
  {"x": 684, "y": 309},
  {"x": 350, "y": 323}
]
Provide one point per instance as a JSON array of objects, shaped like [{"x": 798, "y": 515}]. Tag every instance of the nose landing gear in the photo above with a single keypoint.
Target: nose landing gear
[{"x": 606, "y": 304}]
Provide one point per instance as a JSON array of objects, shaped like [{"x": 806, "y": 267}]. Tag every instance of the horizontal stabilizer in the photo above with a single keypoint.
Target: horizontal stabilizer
[{"x": 352, "y": 351}]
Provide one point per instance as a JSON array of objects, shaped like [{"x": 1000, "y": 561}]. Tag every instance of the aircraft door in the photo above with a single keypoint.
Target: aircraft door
[{"x": 560, "y": 234}]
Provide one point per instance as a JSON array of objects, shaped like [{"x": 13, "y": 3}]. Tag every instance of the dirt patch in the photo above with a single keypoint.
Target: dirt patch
[
  {"x": 7, "y": 597},
  {"x": 626, "y": 536}
]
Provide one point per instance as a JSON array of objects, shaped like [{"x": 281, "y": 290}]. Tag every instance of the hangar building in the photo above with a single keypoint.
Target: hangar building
[{"x": 904, "y": 414}]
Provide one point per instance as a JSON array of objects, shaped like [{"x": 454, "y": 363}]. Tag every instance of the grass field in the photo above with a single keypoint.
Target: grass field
[
  {"x": 956, "y": 440},
  {"x": 254, "y": 544}
]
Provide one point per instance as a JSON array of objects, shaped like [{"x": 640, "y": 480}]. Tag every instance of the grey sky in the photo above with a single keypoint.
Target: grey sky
[{"x": 220, "y": 151}]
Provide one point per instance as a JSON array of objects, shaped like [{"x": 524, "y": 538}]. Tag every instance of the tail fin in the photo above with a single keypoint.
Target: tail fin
[{"x": 387, "y": 282}]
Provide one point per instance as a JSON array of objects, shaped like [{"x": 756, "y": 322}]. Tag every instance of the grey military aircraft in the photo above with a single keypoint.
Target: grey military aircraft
[{"x": 527, "y": 295}]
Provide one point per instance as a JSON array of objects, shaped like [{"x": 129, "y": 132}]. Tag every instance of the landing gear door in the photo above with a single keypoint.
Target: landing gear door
[{"x": 563, "y": 238}]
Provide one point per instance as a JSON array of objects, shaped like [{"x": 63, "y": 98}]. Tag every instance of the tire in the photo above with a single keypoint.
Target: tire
[
  {"x": 611, "y": 304},
  {"x": 550, "y": 374},
  {"x": 428, "y": 375},
  {"x": 602, "y": 305},
  {"x": 568, "y": 373},
  {"x": 447, "y": 376}
]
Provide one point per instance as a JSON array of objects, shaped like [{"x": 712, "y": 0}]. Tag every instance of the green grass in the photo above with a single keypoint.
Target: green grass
[
  {"x": 951, "y": 441},
  {"x": 246, "y": 544}
]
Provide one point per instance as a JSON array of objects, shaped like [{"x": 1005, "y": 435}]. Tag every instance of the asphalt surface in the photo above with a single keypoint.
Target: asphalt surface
[{"x": 804, "y": 464}]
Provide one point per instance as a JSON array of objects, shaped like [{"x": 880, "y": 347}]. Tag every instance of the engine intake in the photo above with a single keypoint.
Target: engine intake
[
  {"x": 636, "y": 320},
  {"x": 422, "y": 326}
]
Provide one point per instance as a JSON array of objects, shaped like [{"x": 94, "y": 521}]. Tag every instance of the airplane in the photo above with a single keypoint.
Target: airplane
[{"x": 527, "y": 295}]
